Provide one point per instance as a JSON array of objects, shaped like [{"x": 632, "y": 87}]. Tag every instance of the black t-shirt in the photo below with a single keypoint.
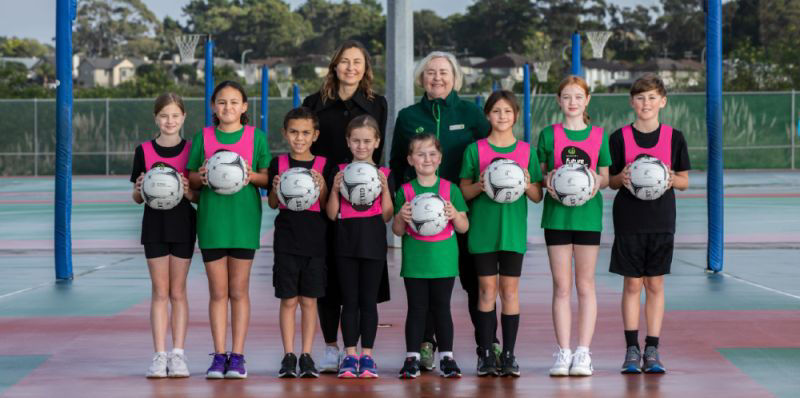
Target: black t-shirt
[
  {"x": 302, "y": 233},
  {"x": 176, "y": 225},
  {"x": 631, "y": 214},
  {"x": 359, "y": 237}
]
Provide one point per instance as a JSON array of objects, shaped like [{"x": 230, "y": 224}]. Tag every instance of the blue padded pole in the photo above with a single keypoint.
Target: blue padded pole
[
  {"x": 295, "y": 95},
  {"x": 209, "y": 71},
  {"x": 495, "y": 86},
  {"x": 526, "y": 103},
  {"x": 62, "y": 235},
  {"x": 264, "y": 98},
  {"x": 576, "y": 54},
  {"x": 715, "y": 186}
]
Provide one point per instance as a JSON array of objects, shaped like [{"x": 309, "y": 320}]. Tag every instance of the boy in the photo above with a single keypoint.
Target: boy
[
  {"x": 645, "y": 229},
  {"x": 299, "y": 244}
]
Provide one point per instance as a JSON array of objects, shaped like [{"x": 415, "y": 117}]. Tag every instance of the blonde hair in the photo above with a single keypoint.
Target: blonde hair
[
  {"x": 458, "y": 76},
  {"x": 578, "y": 81}
]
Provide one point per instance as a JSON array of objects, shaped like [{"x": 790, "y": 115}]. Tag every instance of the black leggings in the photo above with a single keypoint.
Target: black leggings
[
  {"x": 359, "y": 280},
  {"x": 426, "y": 295}
]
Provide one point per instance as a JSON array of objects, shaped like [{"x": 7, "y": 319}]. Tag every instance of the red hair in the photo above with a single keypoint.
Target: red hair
[{"x": 578, "y": 81}]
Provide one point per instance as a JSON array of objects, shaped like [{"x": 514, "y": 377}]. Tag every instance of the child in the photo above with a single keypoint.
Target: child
[
  {"x": 497, "y": 238},
  {"x": 430, "y": 263},
  {"x": 644, "y": 230},
  {"x": 573, "y": 232},
  {"x": 168, "y": 237},
  {"x": 299, "y": 270},
  {"x": 228, "y": 226},
  {"x": 360, "y": 252}
]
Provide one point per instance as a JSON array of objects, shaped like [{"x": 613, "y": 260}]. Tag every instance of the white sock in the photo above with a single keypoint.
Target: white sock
[
  {"x": 581, "y": 349},
  {"x": 412, "y": 354},
  {"x": 177, "y": 351},
  {"x": 161, "y": 353},
  {"x": 446, "y": 354},
  {"x": 567, "y": 350}
]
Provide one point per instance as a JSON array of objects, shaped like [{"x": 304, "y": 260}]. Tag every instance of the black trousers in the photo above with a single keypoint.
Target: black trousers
[
  {"x": 359, "y": 282},
  {"x": 429, "y": 296}
]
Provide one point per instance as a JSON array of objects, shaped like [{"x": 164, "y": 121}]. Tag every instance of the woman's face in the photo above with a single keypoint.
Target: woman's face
[
  {"x": 438, "y": 78},
  {"x": 351, "y": 67}
]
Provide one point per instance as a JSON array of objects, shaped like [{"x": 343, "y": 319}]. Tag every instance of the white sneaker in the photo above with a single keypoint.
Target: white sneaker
[
  {"x": 581, "y": 364},
  {"x": 330, "y": 362},
  {"x": 158, "y": 369},
  {"x": 176, "y": 365},
  {"x": 563, "y": 359}
]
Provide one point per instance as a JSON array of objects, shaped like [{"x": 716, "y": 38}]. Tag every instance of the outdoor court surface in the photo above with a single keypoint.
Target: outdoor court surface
[{"x": 734, "y": 334}]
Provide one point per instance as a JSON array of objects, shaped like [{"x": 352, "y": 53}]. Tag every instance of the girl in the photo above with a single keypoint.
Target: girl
[
  {"x": 573, "y": 232},
  {"x": 168, "y": 237},
  {"x": 228, "y": 226},
  {"x": 430, "y": 263},
  {"x": 360, "y": 252},
  {"x": 499, "y": 242}
]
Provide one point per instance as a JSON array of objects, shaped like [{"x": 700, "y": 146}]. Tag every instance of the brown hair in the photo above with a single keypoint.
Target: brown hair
[
  {"x": 330, "y": 86},
  {"x": 166, "y": 99},
  {"x": 423, "y": 137},
  {"x": 232, "y": 84},
  {"x": 505, "y": 95},
  {"x": 301, "y": 112},
  {"x": 363, "y": 121},
  {"x": 648, "y": 82},
  {"x": 578, "y": 81}
]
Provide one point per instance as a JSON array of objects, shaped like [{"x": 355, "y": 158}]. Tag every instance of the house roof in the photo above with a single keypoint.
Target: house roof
[
  {"x": 659, "y": 64},
  {"x": 106, "y": 63},
  {"x": 271, "y": 61},
  {"x": 471, "y": 61},
  {"x": 507, "y": 60},
  {"x": 29, "y": 62},
  {"x": 605, "y": 65},
  {"x": 313, "y": 59}
]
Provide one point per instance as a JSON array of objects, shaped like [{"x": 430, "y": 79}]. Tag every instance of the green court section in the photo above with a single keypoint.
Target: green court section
[
  {"x": 776, "y": 369},
  {"x": 14, "y": 368}
]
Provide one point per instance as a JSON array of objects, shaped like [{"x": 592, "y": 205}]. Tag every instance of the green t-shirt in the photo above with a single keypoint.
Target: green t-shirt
[
  {"x": 229, "y": 221},
  {"x": 497, "y": 226},
  {"x": 555, "y": 215},
  {"x": 430, "y": 260}
]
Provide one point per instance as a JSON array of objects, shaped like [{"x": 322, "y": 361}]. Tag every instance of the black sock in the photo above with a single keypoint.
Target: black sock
[
  {"x": 632, "y": 338},
  {"x": 486, "y": 321},
  {"x": 650, "y": 341},
  {"x": 494, "y": 327},
  {"x": 510, "y": 326}
]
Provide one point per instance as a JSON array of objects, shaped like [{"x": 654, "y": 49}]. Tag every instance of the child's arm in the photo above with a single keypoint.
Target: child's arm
[
  {"x": 332, "y": 207},
  {"x": 189, "y": 193},
  {"x": 401, "y": 219},
  {"x": 459, "y": 218},
  {"x": 258, "y": 178},
  {"x": 534, "y": 189},
  {"x": 469, "y": 189},
  {"x": 197, "y": 179},
  {"x": 137, "y": 190},
  {"x": 600, "y": 179},
  {"x": 387, "y": 206},
  {"x": 272, "y": 200},
  {"x": 679, "y": 180},
  {"x": 622, "y": 179},
  {"x": 323, "y": 187}
]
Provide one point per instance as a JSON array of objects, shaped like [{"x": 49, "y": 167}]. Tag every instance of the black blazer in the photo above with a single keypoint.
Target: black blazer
[{"x": 335, "y": 114}]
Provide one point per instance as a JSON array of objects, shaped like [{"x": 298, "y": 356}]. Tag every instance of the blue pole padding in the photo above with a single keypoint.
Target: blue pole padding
[
  {"x": 479, "y": 101},
  {"x": 264, "y": 108},
  {"x": 209, "y": 72},
  {"x": 295, "y": 95},
  {"x": 62, "y": 236},
  {"x": 526, "y": 104},
  {"x": 715, "y": 186},
  {"x": 576, "y": 54},
  {"x": 495, "y": 86}
]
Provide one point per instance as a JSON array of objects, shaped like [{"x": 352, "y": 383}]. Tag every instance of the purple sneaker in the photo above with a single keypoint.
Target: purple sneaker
[
  {"x": 367, "y": 368},
  {"x": 236, "y": 368},
  {"x": 348, "y": 369},
  {"x": 217, "y": 368}
]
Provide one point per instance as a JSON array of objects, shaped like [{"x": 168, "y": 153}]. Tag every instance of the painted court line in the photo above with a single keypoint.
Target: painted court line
[{"x": 745, "y": 281}]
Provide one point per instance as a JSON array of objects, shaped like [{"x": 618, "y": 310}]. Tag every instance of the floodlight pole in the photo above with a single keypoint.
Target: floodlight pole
[{"x": 62, "y": 236}]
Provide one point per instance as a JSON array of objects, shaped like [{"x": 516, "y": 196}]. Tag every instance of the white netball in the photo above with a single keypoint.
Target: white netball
[
  {"x": 504, "y": 180},
  {"x": 227, "y": 172},
  {"x": 427, "y": 214},
  {"x": 573, "y": 184},
  {"x": 361, "y": 184},
  {"x": 297, "y": 189},
  {"x": 162, "y": 187},
  {"x": 649, "y": 177}
]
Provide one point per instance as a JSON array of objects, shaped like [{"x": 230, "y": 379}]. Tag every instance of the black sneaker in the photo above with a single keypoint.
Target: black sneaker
[
  {"x": 307, "y": 368},
  {"x": 486, "y": 363},
  {"x": 449, "y": 368},
  {"x": 633, "y": 361},
  {"x": 652, "y": 361},
  {"x": 509, "y": 366},
  {"x": 288, "y": 366},
  {"x": 410, "y": 368}
]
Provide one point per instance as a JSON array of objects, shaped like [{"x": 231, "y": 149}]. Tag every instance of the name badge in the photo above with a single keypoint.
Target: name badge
[{"x": 454, "y": 127}]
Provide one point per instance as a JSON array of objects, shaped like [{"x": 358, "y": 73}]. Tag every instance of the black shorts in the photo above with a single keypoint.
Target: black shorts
[
  {"x": 294, "y": 276},
  {"x": 638, "y": 255},
  {"x": 161, "y": 249},
  {"x": 553, "y": 237},
  {"x": 503, "y": 262},
  {"x": 210, "y": 255}
]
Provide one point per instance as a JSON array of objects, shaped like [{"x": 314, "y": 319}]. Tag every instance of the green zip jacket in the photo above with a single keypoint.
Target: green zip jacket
[{"x": 456, "y": 122}]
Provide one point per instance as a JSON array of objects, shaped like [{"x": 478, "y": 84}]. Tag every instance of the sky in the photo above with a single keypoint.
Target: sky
[{"x": 36, "y": 18}]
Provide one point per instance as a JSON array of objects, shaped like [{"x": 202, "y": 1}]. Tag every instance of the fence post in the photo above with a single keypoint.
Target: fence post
[
  {"x": 35, "y": 137},
  {"x": 107, "y": 134},
  {"x": 794, "y": 128}
]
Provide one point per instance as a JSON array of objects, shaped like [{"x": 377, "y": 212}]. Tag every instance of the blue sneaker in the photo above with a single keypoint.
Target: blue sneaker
[
  {"x": 367, "y": 368},
  {"x": 236, "y": 368},
  {"x": 633, "y": 361},
  {"x": 348, "y": 369},
  {"x": 218, "y": 366},
  {"x": 652, "y": 361}
]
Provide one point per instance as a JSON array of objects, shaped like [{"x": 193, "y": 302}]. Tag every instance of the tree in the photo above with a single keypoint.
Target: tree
[
  {"x": 18, "y": 47},
  {"x": 631, "y": 28},
  {"x": 108, "y": 28},
  {"x": 333, "y": 23},
  {"x": 431, "y": 32},
  {"x": 680, "y": 29},
  {"x": 493, "y": 27}
]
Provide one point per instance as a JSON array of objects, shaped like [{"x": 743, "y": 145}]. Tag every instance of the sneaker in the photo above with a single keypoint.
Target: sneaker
[
  {"x": 426, "y": 360},
  {"x": 652, "y": 362},
  {"x": 288, "y": 366},
  {"x": 158, "y": 369},
  {"x": 367, "y": 368},
  {"x": 176, "y": 365},
  {"x": 236, "y": 368},
  {"x": 487, "y": 365},
  {"x": 633, "y": 361},
  {"x": 508, "y": 365},
  {"x": 330, "y": 362},
  {"x": 563, "y": 360},
  {"x": 218, "y": 366},
  {"x": 349, "y": 367},
  {"x": 307, "y": 368},
  {"x": 581, "y": 364},
  {"x": 410, "y": 368},
  {"x": 448, "y": 368}
]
